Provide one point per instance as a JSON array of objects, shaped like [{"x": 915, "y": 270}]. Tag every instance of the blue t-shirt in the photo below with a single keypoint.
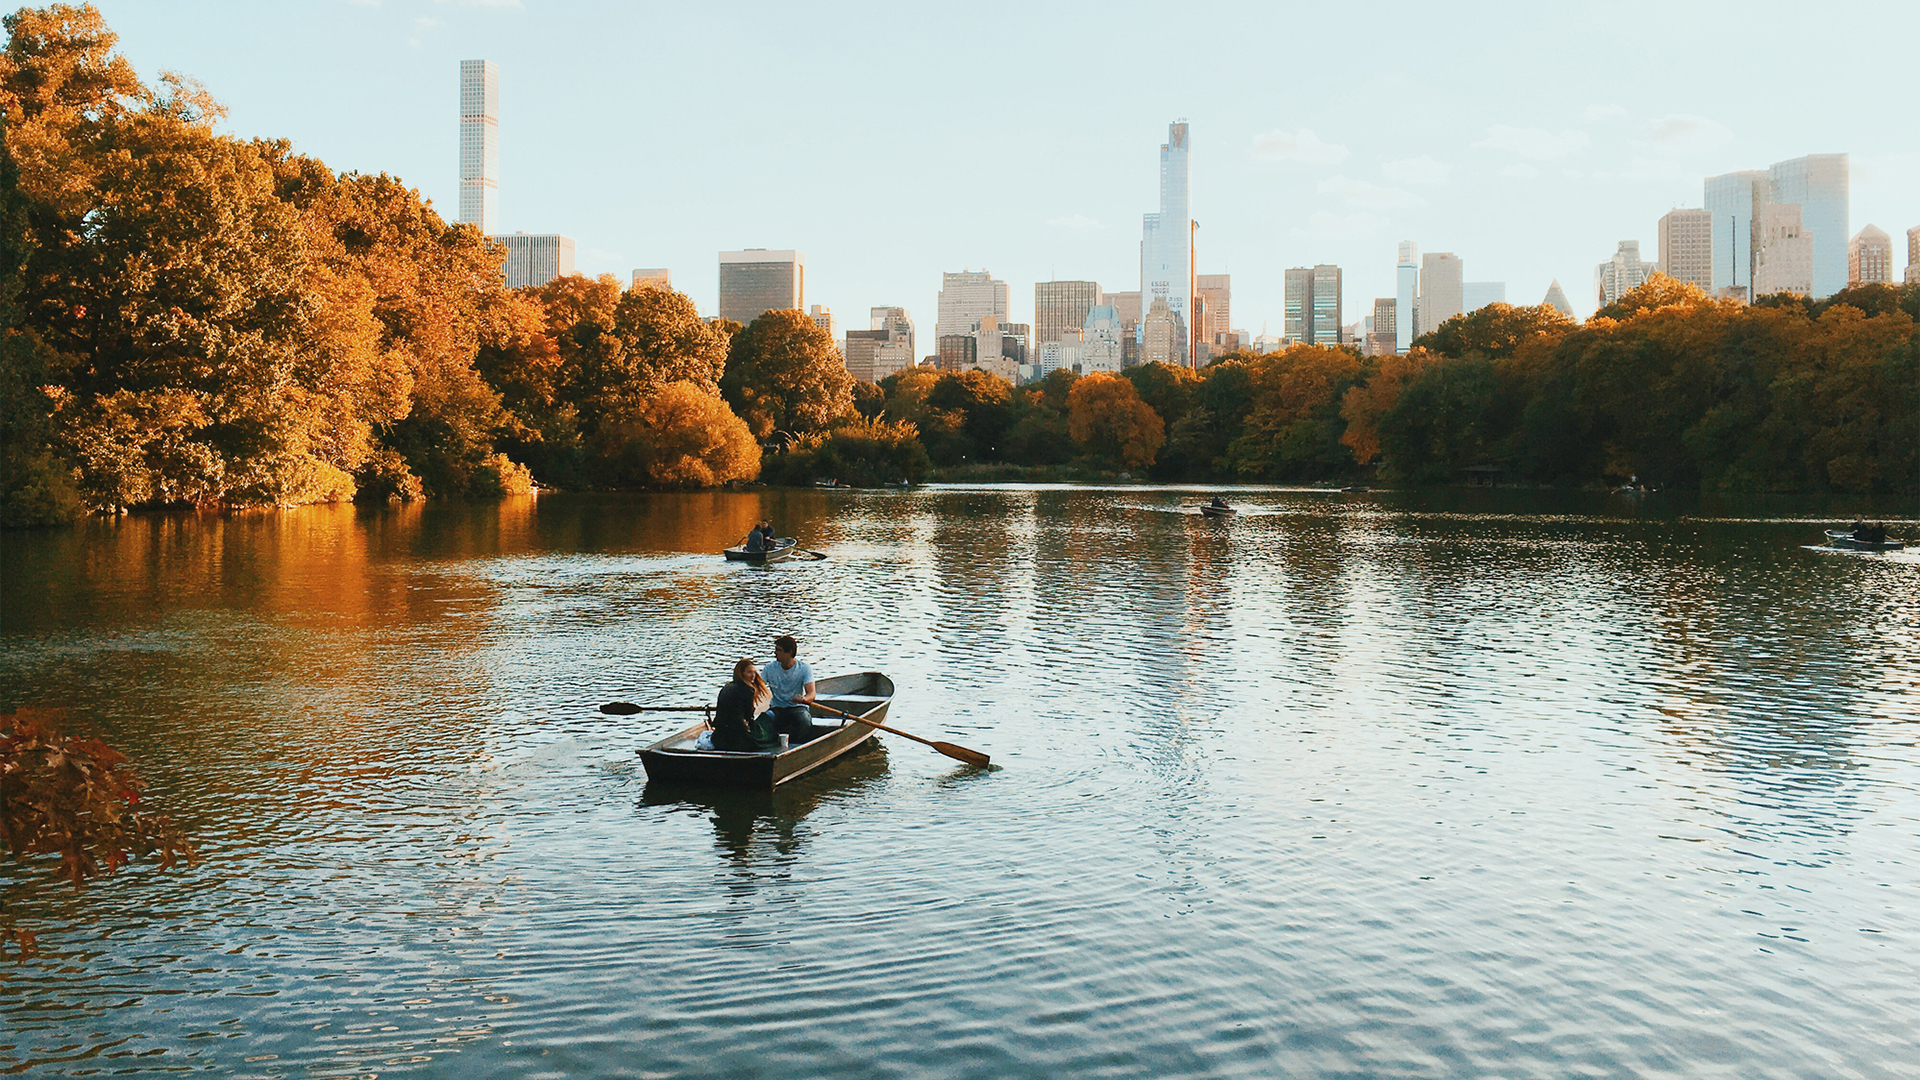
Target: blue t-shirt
[{"x": 786, "y": 683}]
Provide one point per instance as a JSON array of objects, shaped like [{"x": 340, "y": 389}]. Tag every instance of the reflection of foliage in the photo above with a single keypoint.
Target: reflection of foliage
[
  {"x": 75, "y": 798},
  {"x": 860, "y": 452}
]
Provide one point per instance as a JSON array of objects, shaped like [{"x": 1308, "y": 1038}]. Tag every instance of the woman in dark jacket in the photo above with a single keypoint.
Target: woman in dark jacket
[{"x": 737, "y": 715}]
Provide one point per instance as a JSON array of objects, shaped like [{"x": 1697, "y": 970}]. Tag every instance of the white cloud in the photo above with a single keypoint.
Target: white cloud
[
  {"x": 1537, "y": 143},
  {"x": 1362, "y": 193},
  {"x": 1685, "y": 132},
  {"x": 1076, "y": 221},
  {"x": 1305, "y": 146},
  {"x": 1520, "y": 169},
  {"x": 1342, "y": 226},
  {"x": 1419, "y": 170},
  {"x": 1603, "y": 112}
]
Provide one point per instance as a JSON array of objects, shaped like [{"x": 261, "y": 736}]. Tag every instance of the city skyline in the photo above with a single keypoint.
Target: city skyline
[{"x": 1314, "y": 165}]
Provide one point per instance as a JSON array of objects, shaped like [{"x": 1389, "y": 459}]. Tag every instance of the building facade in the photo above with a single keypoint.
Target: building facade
[
  {"x": 965, "y": 299},
  {"x": 1686, "y": 247},
  {"x": 1442, "y": 289},
  {"x": 1383, "y": 335},
  {"x": 822, "y": 317},
  {"x": 1913, "y": 255},
  {"x": 1475, "y": 295},
  {"x": 536, "y": 258},
  {"x": 653, "y": 277},
  {"x": 1406, "y": 295},
  {"x": 1103, "y": 341},
  {"x": 1060, "y": 308},
  {"x": 1556, "y": 299},
  {"x": 1625, "y": 271},
  {"x": 1784, "y": 255},
  {"x": 955, "y": 352},
  {"x": 757, "y": 280},
  {"x": 1327, "y": 329},
  {"x": 1297, "y": 320},
  {"x": 884, "y": 349},
  {"x": 1161, "y": 335},
  {"x": 1166, "y": 241},
  {"x": 1729, "y": 200},
  {"x": 1870, "y": 257},
  {"x": 1818, "y": 184},
  {"x": 480, "y": 144}
]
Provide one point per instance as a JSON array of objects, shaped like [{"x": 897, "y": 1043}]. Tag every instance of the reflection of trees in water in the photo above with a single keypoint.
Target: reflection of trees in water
[
  {"x": 981, "y": 553},
  {"x": 756, "y": 826}
]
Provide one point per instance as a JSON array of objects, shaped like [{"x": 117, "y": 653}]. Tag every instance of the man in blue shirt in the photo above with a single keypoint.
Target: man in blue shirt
[{"x": 791, "y": 681}]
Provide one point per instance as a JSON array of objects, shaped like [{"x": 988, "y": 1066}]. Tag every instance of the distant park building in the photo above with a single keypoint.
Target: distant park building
[
  {"x": 1442, "y": 289},
  {"x": 1060, "y": 308},
  {"x": 885, "y": 349},
  {"x": 656, "y": 277},
  {"x": 1406, "y": 295},
  {"x": 757, "y": 280},
  {"x": 1686, "y": 247},
  {"x": 480, "y": 144},
  {"x": 536, "y": 258},
  {"x": 1557, "y": 299},
  {"x": 965, "y": 299},
  {"x": 1621, "y": 274},
  {"x": 1870, "y": 257},
  {"x": 1784, "y": 253},
  {"x": 1475, "y": 295}
]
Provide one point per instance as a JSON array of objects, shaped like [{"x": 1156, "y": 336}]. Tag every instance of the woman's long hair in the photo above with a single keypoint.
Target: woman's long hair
[{"x": 744, "y": 671}]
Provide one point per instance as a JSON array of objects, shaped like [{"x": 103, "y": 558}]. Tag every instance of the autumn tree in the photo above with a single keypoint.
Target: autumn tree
[
  {"x": 783, "y": 374},
  {"x": 1293, "y": 426},
  {"x": 1495, "y": 330},
  {"x": 1110, "y": 423},
  {"x": 681, "y": 436},
  {"x": 1363, "y": 406}
]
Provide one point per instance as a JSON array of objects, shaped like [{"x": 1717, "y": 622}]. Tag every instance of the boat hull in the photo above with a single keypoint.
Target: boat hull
[
  {"x": 1846, "y": 542},
  {"x": 673, "y": 760},
  {"x": 1218, "y": 511},
  {"x": 782, "y": 550}
]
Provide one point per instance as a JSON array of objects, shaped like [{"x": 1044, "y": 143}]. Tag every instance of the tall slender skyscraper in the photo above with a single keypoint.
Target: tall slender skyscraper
[
  {"x": 1729, "y": 201},
  {"x": 1686, "y": 247},
  {"x": 1166, "y": 242},
  {"x": 1407, "y": 280},
  {"x": 480, "y": 144},
  {"x": 1442, "y": 289}
]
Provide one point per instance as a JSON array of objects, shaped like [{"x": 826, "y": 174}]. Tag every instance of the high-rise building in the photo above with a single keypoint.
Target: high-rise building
[
  {"x": 822, "y": 317},
  {"x": 1784, "y": 257},
  {"x": 480, "y": 144},
  {"x": 956, "y": 352},
  {"x": 656, "y": 277},
  {"x": 1475, "y": 295},
  {"x": 1060, "y": 308},
  {"x": 1556, "y": 299},
  {"x": 1870, "y": 257},
  {"x": 1818, "y": 184},
  {"x": 1213, "y": 305},
  {"x": 1102, "y": 347},
  {"x": 1382, "y": 335},
  {"x": 1297, "y": 320},
  {"x": 756, "y": 281},
  {"x": 1913, "y": 255},
  {"x": 1162, "y": 340},
  {"x": 1615, "y": 277},
  {"x": 1326, "y": 306},
  {"x": 1686, "y": 247},
  {"x": 883, "y": 350},
  {"x": 1407, "y": 295},
  {"x": 965, "y": 299},
  {"x": 536, "y": 258},
  {"x": 1442, "y": 289},
  {"x": 1729, "y": 203},
  {"x": 1166, "y": 242}
]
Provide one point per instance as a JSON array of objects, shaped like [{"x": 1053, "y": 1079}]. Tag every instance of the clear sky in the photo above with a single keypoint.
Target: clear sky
[{"x": 890, "y": 142}]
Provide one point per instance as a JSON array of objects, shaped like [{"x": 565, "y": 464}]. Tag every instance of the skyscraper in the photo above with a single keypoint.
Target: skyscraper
[
  {"x": 1475, "y": 295},
  {"x": 1407, "y": 288},
  {"x": 1442, "y": 290},
  {"x": 1060, "y": 308},
  {"x": 1383, "y": 335},
  {"x": 1615, "y": 277},
  {"x": 1729, "y": 203},
  {"x": 1784, "y": 255},
  {"x": 965, "y": 299},
  {"x": 1913, "y": 255},
  {"x": 1313, "y": 305},
  {"x": 1161, "y": 339},
  {"x": 1557, "y": 299},
  {"x": 480, "y": 144},
  {"x": 536, "y": 258},
  {"x": 1686, "y": 247},
  {"x": 1166, "y": 242},
  {"x": 1297, "y": 320},
  {"x": 1213, "y": 294},
  {"x": 885, "y": 349},
  {"x": 1102, "y": 347},
  {"x": 756, "y": 281},
  {"x": 1870, "y": 257},
  {"x": 1818, "y": 184}
]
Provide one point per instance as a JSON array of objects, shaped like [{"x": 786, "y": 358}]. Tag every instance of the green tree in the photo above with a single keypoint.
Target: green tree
[{"x": 783, "y": 374}]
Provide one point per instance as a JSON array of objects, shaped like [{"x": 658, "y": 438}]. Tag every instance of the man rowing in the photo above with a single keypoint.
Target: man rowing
[{"x": 791, "y": 681}]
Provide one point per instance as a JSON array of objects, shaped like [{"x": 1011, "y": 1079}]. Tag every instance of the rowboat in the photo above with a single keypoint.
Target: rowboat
[
  {"x": 1209, "y": 510},
  {"x": 783, "y": 549},
  {"x": 1845, "y": 540},
  {"x": 673, "y": 760}
]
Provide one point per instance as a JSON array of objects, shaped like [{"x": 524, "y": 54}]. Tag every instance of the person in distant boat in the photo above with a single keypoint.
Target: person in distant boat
[
  {"x": 1218, "y": 503},
  {"x": 740, "y": 718},
  {"x": 791, "y": 681},
  {"x": 756, "y": 539}
]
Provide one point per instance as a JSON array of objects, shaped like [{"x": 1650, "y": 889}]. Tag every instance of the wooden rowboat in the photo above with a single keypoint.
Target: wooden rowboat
[
  {"x": 782, "y": 550},
  {"x": 1845, "y": 540},
  {"x": 673, "y": 760},
  {"x": 1209, "y": 510}
]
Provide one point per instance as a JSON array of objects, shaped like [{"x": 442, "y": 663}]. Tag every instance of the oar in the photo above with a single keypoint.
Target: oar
[
  {"x": 958, "y": 753},
  {"x": 628, "y": 708}
]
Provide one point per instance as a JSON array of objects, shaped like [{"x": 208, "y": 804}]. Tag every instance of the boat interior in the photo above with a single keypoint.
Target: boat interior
[{"x": 857, "y": 704}]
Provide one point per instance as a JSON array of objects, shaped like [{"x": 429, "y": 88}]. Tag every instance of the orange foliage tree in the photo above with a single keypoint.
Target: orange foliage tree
[{"x": 1109, "y": 422}]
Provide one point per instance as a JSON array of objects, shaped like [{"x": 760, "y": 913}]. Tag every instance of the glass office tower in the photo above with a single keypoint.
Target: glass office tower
[{"x": 1166, "y": 242}]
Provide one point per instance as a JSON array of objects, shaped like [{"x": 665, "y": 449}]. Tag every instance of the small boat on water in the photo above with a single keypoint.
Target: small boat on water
[
  {"x": 1209, "y": 510},
  {"x": 1846, "y": 541},
  {"x": 867, "y": 694},
  {"x": 783, "y": 549}
]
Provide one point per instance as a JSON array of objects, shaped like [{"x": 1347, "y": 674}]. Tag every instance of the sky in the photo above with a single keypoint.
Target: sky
[{"x": 890, "y": 142}]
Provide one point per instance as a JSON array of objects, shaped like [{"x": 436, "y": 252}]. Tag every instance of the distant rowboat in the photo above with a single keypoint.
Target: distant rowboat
[
  {"x": 1209, "y": 510},
  {"x": 1846, "y": 541},
  {"x": 783, "y": 549}
]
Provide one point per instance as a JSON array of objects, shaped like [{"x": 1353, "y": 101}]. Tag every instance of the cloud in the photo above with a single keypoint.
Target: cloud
[
  {"x": 1305, "y": 146},
  {"x": 1417, "y": 170},
  {"x": 1361, "y": 193},
  {"x": 1686, "y": 132},
  {"x": 1076, "y": 221},
  {"x": 1342, "y": 226},
  {"x": 1603, "y": 112},
  {"x": 1537, "y": 143},
  {"x": 1520, "y": 169}
]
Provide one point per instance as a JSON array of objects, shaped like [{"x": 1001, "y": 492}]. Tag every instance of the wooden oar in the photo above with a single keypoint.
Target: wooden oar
[
  {"x": 628, "y": 708},
  {"x": 958, "y": 753}
]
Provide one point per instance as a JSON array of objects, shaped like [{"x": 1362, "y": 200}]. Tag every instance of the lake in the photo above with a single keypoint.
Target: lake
[{"x": 1363, "y": 785}]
